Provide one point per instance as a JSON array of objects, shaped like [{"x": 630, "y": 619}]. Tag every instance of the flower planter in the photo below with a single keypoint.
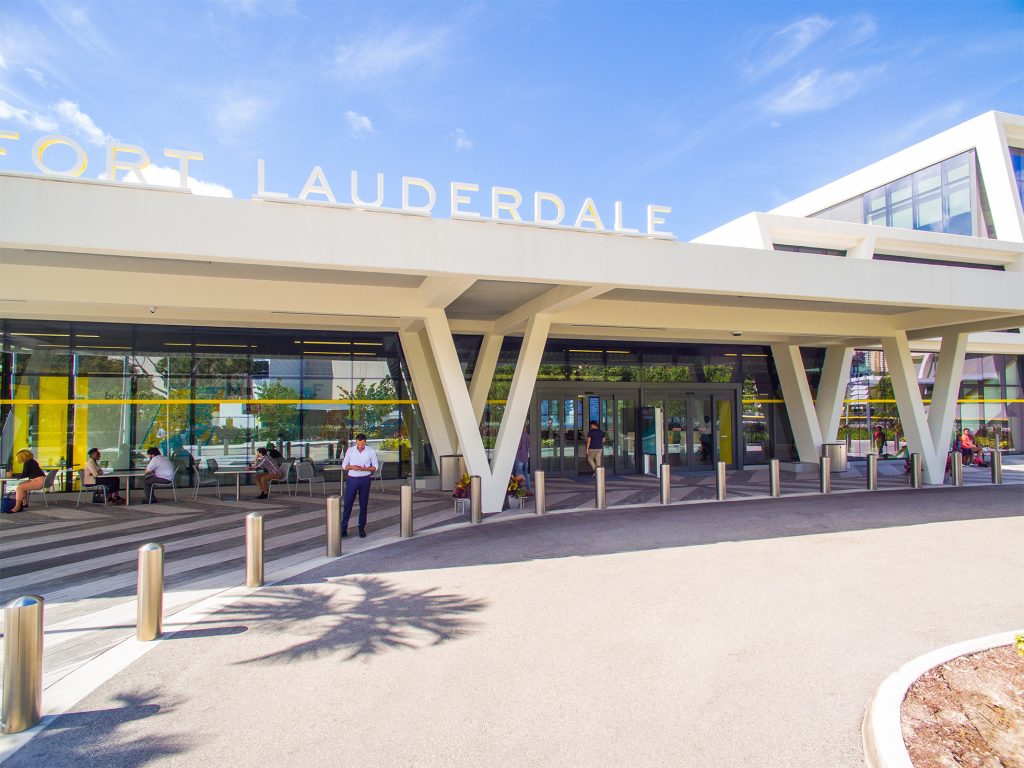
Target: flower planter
[{"x": 461, "y": 506}]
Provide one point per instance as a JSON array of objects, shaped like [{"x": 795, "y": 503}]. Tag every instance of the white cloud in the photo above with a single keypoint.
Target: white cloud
[
  {"x": 360, "y": 125},
  {"x": 384, "y": 54},
  {"x": 786, "y": 44},
  {"x": 820, "y": 90},
  {"x": 79, "y": 122},
  {"x": 164, "y": 176},
  {"x": 262, "y": 8},
  {"x": 238, "y": 112},
  {"x": 3, "y": 62},
  {"x": 461, "y": 140},
  {"x": 75, "y": 22},
  {"x": 36, "y": 75},
  {"x": 28, "y": 118}
]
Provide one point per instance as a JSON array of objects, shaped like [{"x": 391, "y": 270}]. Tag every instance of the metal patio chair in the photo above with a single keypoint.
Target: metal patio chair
[
  {"x": 284, "y": 477},
  {"x": 304, "y": 474},
  {"x": 200, "y": 483},
  {"x": 82, "y": 488}
]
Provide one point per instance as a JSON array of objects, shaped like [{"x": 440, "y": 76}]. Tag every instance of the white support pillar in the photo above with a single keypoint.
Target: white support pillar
[
  {"x": 910, "y": 405},
  {"x": 835, "y": 375},
  {"x": 943, "y": 407},
  {"x": 483, "y": 372},
  {"x": 430, "y": 398},
  {"x": 799, "y": 405},
  {"x": 494, "y": 480}
]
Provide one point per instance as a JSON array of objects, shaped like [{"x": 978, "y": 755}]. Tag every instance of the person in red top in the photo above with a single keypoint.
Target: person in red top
[{"x": 968, "y": 448}]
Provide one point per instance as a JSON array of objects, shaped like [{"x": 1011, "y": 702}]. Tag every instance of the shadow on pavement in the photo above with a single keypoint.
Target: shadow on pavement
[
  {"x": 355, "y": 616},
  {"x": 614, "y": 530},
  {"x": 93, "y": 739}
]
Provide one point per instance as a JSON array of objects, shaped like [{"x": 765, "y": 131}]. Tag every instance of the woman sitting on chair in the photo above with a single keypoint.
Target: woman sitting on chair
[
  {"x": 30, "y": 469},
  {"x": 93, "y": 470},
  {"x": 269, "y": 471}
]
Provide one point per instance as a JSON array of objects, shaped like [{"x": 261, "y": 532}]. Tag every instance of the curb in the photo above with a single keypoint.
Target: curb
[{"x": 882, "y": 729}]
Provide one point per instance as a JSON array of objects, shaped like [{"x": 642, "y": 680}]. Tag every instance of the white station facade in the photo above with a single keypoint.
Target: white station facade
[{"x": 136, "y": 316}]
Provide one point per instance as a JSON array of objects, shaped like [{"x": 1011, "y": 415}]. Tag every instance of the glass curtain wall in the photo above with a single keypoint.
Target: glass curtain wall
[{"x": 199, "y": 393}]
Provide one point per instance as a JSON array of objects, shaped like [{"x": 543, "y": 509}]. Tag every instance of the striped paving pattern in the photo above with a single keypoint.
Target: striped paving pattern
[{"x": 82, "y": 561}]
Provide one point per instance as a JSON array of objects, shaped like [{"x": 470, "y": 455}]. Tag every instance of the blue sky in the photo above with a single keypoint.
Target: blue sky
[{"x": 715, "y": 109}]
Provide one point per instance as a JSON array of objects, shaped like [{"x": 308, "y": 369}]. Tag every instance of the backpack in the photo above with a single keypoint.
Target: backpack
[{"x": 7, "y": 504}]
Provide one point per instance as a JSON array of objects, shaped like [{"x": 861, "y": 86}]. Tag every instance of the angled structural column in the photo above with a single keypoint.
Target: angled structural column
[
  {"x": 799, "y": 405},
  {"x": 494, "y": 476},
  {"x": 483, "y": 372},
  {"x": 835, "y": 376},
  {"x": 927, "y": 435},
  {"x": 433, "y": 406}
]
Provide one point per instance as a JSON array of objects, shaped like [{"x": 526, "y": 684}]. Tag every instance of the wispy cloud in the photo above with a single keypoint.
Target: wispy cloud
[
  {"x": 819, "y": 89},
  {"x": 360, "y": 126},
  {"x": 262, "y": 8},
  {"x": 238, "y": 112},
  {"x": 379, "y": 55},
  {"x": 165, "y": 176},
  {"x": 77, "y": 25},
  {"x": 783, "y": 45},
  {"x": 79, "y": 122},
  {"x": 28, "y": 118},
  {"x": 461, "y": 141}
]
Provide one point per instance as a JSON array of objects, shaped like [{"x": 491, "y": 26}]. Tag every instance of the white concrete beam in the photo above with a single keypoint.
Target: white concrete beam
[
  {"x": 799, "y": 404},
  {"x": 1000, "y": 323},
  {"x": 550, "y": 302},
  {"x": 438, "y": 291},
  {"x": 433, "y": 406},
  {"x": 483, "y": 372},
  {"x": 835, "y": 375}
]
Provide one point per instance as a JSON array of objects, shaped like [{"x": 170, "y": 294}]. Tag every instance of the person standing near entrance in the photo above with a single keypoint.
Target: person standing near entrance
[
  {"x": 595, "y": 446},
  {"x": 360, "y": 463}
]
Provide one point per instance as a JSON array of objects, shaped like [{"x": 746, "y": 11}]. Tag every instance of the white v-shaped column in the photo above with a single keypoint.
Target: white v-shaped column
[
  {"x": 494, "y": 475},
  {"x": 929, "y": 436},
  {"x": 813, "y": 421}
]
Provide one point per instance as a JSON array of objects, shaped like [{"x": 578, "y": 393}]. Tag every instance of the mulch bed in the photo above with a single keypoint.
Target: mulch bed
[{"x": 968, "y": 712}]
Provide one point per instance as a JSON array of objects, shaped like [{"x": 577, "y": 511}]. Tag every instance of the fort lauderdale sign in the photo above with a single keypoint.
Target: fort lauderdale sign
[{"x": 419, "y": 196}]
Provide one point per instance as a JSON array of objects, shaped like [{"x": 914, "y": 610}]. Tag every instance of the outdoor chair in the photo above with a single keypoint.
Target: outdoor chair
[
  {"x": 379, "y": 475},
  {"x": 286, "y": 471},
  {"x": 304, "y": 474},
  {"x": 200, "y": 483},
  {"x": 173, "y": 485},
  {"x": 82, "y": 488},
  {"x": 212, "y": 466},
  {"x": 51, "y": 477}
]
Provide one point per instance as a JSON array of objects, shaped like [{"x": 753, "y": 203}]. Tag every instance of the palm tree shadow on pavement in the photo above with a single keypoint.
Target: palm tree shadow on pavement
[
  {"x": 356, "y": 616},
  {"x": 102, "y": 737}
]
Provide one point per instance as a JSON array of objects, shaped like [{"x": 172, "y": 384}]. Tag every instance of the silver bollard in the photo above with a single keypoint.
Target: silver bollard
[
  {"x": 149, "y": 623},
  {"x": 254, "y": 549},
  {"x": 997, "y": 467},
  {"x": 23, "y": 663},
  {"x": 915, "y": 470},
  {"x": 956, "y": 468},
  {"x": 540, "y": 501},
  {"x": 666, "y": 484},
  {"x": 825, "y": 474},
  {"x": 774, "y": 479},
  {"x": 334, "y": 526},
  {"x": 872, "y": 477},
  {"x": 721, "y": 491},
  {"x": 600, "y": 500},
  {"x": 405, "y": 527},
  {"x": 476, "y": 505}
]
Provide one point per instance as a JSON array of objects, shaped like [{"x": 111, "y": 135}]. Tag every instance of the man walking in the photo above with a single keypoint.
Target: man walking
[
  {"x": 360, "y": 463},
  {"x": 595, "y": 446}
]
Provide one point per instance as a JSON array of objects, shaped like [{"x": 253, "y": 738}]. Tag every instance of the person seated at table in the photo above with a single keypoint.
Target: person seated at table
[
  {"x": 93, "y": 472},
  {"x": 159, "y": 471},
  {"x": 968, "y": 448},
  {"x": 29, "y": 468},
  {"x": 268, "y": 470},
  {"x": 273, "y": 453}
]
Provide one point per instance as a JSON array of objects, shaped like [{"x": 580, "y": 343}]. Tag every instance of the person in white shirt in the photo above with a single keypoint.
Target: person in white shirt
[
  {"x": 360, "y": 463},
  {"x": 93, "y": 472},
  {"x": 159, "y": 471}
]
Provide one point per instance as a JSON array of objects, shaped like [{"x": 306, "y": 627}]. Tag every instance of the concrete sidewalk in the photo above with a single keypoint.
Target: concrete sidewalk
[{"x": 736, "y": 633}]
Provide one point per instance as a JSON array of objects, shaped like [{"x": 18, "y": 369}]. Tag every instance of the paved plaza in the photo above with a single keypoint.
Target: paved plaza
[{"x": 746, "y": 632}]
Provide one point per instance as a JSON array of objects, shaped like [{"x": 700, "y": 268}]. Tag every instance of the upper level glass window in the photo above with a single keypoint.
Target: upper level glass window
[
  {"x": 1017, "y": 158},
  {"x": 940, "y": 198}
]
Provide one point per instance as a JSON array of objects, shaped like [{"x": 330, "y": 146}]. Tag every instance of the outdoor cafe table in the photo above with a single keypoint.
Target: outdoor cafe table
[
  {"x": 237, "y": 472},
  {"x": 127, "y": 474},
  {"x": 341, "y": 476}
]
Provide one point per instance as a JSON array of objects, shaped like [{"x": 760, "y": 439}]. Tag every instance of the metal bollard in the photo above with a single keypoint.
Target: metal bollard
[
  {"x": 600, "y": 500},
  {"x": 721, "y": 491},
  {"x": 774, "y": 484},
  {"x": 956, "y": 468},
  {"x": 254, "y": 549},
  {"x": 149, "y": 623},
  {"x": 334, "y": 526},
  {"x": 997, "y": 467},
  {"x": 872, "y": 478},
  {"x": 405, "y": 527},
  {"x": 666, "y": 484},
  {"x": 476, "y": 507},
  {"x": 825, "y": 474},
  {"x": 540, "y": 501},
  {"x": 915, "y": 470},
  {"x": 23, "y": 663}
]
